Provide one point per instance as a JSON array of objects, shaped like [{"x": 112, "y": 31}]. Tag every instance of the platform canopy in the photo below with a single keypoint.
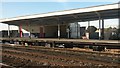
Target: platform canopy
[{"x": 108, "y": 11}]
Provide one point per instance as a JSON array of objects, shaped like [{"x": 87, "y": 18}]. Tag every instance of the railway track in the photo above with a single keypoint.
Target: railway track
[{"x": 40, "y": 56}]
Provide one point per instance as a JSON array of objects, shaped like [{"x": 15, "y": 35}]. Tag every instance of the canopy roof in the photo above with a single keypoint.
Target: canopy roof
[{"x": 109, "y": 11}]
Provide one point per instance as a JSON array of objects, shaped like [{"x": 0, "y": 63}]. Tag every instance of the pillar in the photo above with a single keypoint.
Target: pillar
[
  {"x": 102, "y": 33},
  {"x": 8, "y": 30},
  {"x": 77, "y": 29},
  {"x": 44, "y": 31},
  {"x": 20, "y": 29},
  {"x": 99, "y": 29},
  {"x": 119, "y": 28},
  {"x": 119, "y": 21},
  {"x": 99, "y": 17},
  {"x": 59, "y": 31},
  {"x": 88, "y": 34},
  {"x": 88, "y": 23},
  {"x": 68, "y": 31},
  {"x": 30, "y": 30}
]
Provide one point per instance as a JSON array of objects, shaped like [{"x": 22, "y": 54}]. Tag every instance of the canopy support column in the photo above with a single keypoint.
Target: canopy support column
[
  {"x": 119, "y": 28},
  {"x": 68, "y": 31},
  {"x": 99, "y": 29},
  {"x": 88, "y": 34},
  {"x": 30, "y": 30},
  {"x": 77, "y": 30},
  {"x": 102, "y": 33},
  {"x": 58, "y": 31},
  {"x": 20, "y": 29},
  {"x": 99, "y": 17},
  {"x": 8, "y": 30},
  {"x": 119, "y": 22}
]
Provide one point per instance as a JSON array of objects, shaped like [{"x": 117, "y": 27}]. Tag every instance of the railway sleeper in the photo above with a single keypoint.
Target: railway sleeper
[{"x": 99, "y": 48}]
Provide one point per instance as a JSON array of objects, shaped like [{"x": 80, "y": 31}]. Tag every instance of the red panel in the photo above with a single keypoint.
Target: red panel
[{"x": 20, "y": 28}]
